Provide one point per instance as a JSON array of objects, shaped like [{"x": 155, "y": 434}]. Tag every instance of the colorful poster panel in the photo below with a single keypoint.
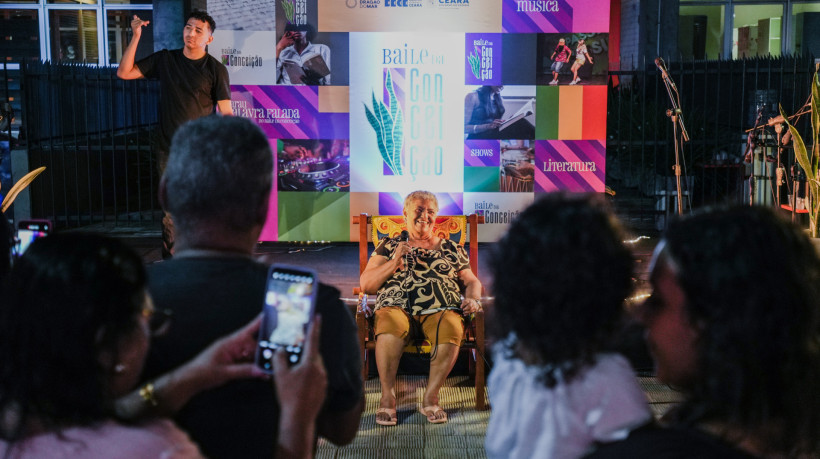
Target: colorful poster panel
[
  {"x": 410, "y": 16},
  {"x": 570, "y": 165},
  {"x": 393, "y": 203},
  {"x": 288, "y": 112},
  {"x": 270, "y": 231},
  {"x": 499, "y": 165},
  {"x": 518, "y": 65},
  {"x": 571, "y": 112},
  {"x": 314, "y": 216},
  {"x": 499, "y": 210},
  {"x": 573, "y": 59},
  {"x": 483, "y": 63},
  {"x": 313, "y": 165},
  {"x": 243, "y": 14},
  {"x": 406, "y": 111},
  {"x": 482, "y": 161},
  {"x": 307, "y": 57},
  {"x": 554, "y": 16},
  {"x": 295, "y": 13},
  {"x": 248, "y": 56},
  {"x": 499, "y": 112}
]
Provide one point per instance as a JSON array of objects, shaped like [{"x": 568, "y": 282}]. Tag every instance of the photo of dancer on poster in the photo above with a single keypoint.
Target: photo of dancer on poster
[
  {"x": 486, "y": 114},
  {"x": 581, "y": 56},
  {"x": 559, "y": 57},
  {"x": 588, "y": 53},
  {"x": 313, "y": 165},
  {"x": 299, "y": 60}
]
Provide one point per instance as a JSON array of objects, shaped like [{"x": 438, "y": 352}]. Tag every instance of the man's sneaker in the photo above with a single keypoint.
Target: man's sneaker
[
  {"x": 554, "y": 82},
  {"x": 575, "y": 81}
]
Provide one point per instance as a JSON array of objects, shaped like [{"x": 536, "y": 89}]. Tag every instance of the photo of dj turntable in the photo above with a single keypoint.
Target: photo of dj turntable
[{"x": 313, "y": 165}]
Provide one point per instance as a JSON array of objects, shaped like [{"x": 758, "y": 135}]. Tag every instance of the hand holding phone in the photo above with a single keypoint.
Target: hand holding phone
[
  {"x": 290, "y": 304},
  {"x": 27, "y": 232}
]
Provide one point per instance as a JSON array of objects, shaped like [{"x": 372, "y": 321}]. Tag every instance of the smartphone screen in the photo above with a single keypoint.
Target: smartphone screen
[
  {"x": 288, "y": 309},
  {"x": 27, "y": 232}
]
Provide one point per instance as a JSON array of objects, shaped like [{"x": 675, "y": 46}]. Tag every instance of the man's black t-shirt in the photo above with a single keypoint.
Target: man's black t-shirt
[
  {"x": 212, "y": 297},
  {"x": 189, "y": 88}
]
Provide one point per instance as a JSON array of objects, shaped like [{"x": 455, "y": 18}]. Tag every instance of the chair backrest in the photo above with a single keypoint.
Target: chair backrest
[{"x": 454, "y": 227}]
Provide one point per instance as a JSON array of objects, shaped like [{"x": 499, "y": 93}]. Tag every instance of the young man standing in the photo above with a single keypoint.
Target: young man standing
[{"x": 192, "y": 83}]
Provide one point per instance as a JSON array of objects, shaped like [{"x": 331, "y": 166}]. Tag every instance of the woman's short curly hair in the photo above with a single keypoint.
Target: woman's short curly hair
[
  {"x": 560, "y": 277},
  {"x": 751, "y": 282},
  {"x": 69, "y": 297}
]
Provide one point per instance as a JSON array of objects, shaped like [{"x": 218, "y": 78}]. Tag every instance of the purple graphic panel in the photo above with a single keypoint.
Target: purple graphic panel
[
  {"x": 482, "y": 59},
  {"x": 481, "y": 153},
  {"x": 399, "y": 83},
  {"x": 288, "y": 112},
  {"x": 448, "y": 203},
  {"x": 554, "y": 16},
  {"x": 570, "y": 165}
]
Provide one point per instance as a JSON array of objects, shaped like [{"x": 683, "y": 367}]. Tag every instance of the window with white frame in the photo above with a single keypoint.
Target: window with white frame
[{"x": 709, "y": 29}]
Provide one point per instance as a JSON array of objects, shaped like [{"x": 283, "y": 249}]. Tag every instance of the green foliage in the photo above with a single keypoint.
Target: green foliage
[
  {"x": 810, "y": 162},
  {"x": 388, "y": 122}
]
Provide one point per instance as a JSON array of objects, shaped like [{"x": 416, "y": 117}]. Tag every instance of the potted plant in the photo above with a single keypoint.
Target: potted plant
[{"x": 810, "y": 161}]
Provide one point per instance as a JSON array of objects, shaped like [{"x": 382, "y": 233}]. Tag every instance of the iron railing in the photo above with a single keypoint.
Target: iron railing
[
  {"x": 91, "y": 130},
  {"x": 719, "y": 102}
]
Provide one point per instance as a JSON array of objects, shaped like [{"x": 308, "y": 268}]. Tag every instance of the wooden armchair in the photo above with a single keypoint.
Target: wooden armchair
[{"x": 456, "y": 228}]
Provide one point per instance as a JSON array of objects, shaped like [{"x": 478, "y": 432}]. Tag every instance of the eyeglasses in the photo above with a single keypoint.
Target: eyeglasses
[{"x": 159, "y": 320}]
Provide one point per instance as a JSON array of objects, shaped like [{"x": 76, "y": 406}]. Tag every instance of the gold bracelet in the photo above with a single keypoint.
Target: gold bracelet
[{"x": 148, "y": 394}]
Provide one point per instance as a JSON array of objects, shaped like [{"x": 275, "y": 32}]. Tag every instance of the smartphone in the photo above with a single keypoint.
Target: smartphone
[
  {"x": 27, "y": 232},
  {"x": 290, "y": 304}
]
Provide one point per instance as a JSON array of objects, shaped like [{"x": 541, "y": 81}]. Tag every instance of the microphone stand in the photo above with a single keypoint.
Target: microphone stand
[{"x": 676, "y": 116}]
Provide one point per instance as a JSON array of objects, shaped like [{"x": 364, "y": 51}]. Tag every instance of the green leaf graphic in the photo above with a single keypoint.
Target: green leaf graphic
[
  {"x": 388, "y": 123},
  {"x": 475, "y": 61},
  {"x": 288, "y": 7}
]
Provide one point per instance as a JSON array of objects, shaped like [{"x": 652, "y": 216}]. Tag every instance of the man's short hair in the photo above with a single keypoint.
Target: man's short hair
[
  {"x": 204, "y": 17},
  {"x": 219, "y": 173}
]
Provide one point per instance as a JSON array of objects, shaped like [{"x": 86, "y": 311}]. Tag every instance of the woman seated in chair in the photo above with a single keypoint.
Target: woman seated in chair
[{"x": 418, "y": 278}]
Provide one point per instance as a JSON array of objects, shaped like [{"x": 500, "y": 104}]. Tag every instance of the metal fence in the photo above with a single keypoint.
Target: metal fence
[
  {"x": 92, "y": 132},
  {"x": 719, "y": 103}
]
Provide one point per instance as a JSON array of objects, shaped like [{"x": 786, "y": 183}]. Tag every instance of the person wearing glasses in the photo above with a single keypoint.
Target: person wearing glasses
[{"x": 76, "y": 323}]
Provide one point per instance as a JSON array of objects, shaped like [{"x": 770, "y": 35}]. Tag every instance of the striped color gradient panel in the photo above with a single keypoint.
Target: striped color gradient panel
[
  {"x": 555, "y": 16},
  {"x": 570, "y": 112},
  {"x": 289, "y": 112},
  {"x": 570, "y": 165}
]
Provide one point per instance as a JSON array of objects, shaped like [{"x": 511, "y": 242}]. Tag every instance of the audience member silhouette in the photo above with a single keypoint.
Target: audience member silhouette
[
  {"x": 560, "y": 276},
  {"x": 217, "y": 187},
  {"x": 733, "y": 324},
  {"x": 75, "y": 327}
]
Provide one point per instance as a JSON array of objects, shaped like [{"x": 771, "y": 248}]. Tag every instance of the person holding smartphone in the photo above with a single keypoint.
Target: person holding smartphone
[
  {"x": 77, "y": 311},
  {"x": 214, "y": 285}
]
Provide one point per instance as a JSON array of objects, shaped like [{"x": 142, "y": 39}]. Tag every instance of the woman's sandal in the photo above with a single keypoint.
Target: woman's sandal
[
  {"x": 391, "y": 413},
  {"x": 431, "y": 410}
]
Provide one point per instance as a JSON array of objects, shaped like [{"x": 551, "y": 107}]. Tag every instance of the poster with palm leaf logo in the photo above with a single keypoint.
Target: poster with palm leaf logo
[{"x": 405, "y": 112}]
